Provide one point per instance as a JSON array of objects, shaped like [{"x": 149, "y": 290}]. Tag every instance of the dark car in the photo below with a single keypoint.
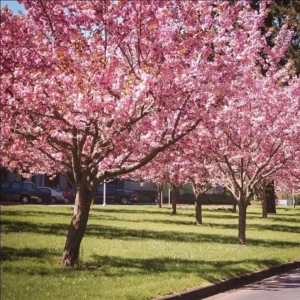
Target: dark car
[
  {"x": 114, "y": 195},
  {"x": 24, "y": 192}
]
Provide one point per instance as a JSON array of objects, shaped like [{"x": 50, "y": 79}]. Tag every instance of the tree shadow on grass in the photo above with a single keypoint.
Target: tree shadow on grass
[
  {"x": 35, "y": 213},
  {"x": 210, "y": 270},
  {"x": 159, "y": 211},
  {"x": 231, "y": 216},
  {"x": 190, "y": 223},
  {"x": 29, "y": 227},
  {"x": 116, "y": 266},
  {"x": 274, "y": 227},
  {"x": 113, "y": 232},
  {"x": 32, "y": 262},
  {"x": 109, "y": 232},
  {"x": 13, "y": 254},
  {"x": 280, "y": 212},
  {"x": 250, "y": 216},
  {"x": 94, "y": 212},
  {"x": 183, "y": 213},
  {"x": 284, "y": 219},
  {"x": 258, "y": 227}
]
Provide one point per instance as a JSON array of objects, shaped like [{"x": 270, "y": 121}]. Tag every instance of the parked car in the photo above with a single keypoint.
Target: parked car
[
  {"x": 114, "y": 195},
  {"x": 24, "y": 192},
  {"x": 55, "y": 195},
  {"x": 44, "y": 195}
]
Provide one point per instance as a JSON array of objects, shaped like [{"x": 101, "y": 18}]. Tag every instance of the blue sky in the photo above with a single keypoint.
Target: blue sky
[{"x": 13, "y": 5}]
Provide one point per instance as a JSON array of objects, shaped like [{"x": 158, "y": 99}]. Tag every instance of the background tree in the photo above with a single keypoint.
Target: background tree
[
  {"x": 288, "y": 179},
  {"x": 282, "y": 12},
  {"x": 195, "y": 161},
  {"x": 160, "y": 188},
  {"x": 199, "y": 188},
  {"x": 254, "y": 139},
  {"x": 261, "y": 190},
  {"x": 166, "y": 167},
  {"x": 270, "y": 198}
]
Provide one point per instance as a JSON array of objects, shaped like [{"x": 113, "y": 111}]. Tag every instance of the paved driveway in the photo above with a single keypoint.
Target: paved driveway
[{"x": 281, "y": 287}]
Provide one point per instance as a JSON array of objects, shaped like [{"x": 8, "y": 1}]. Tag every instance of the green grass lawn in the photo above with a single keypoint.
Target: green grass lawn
[{"x": 137, "y": 252}]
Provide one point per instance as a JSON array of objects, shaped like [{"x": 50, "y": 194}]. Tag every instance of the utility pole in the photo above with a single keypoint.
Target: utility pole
[{"x": 104, "y": 193}]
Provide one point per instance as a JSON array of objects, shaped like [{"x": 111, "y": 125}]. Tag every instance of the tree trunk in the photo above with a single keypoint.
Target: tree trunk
[
  {"x": 198, "y": 210},
  {"x": 159, "y": 200},
  {"x": 271, "y": 198},
  {"x": 234, "y": 206},
  {"x": 175, "y": 199},
  {"x": 70, "y": 256},
  {"x": 242, "y": 223},
  {"x": 264, "y": 205},
  {"x": 228, "y": 194},
  {"x": 199, "y": 189}
]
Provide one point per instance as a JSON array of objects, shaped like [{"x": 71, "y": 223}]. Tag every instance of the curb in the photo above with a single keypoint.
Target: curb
[{"x": 233, "y": 283}]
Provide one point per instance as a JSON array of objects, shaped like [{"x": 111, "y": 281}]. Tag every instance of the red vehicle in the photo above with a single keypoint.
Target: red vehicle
[{"x": 66, "y": 193}]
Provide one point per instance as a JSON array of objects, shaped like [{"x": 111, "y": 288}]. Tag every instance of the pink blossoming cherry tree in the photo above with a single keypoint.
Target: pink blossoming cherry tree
[{"x": 254, "y": 139}]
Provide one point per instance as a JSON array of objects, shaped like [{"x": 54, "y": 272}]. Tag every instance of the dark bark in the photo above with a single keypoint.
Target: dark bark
[
  {"x": 263, "y": 192},
  {"x": 271, "y": 198},
  {"x": 264, "y": 205},
  {"x": 234, "y": 204},
  {"x": 175, "y": 199},
  {"x": 70, "y": 256},
  {"x": 242, "y": 222},
  {"x": 199, "y": 189},
  {"x": 198, "y": 210},
  {"x": 159, "y": 200}
]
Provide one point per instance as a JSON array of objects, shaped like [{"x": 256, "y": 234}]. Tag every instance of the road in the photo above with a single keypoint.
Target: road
[{"x": 281, "y": 287}]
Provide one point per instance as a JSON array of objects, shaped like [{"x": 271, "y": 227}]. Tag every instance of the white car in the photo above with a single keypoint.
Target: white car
[{"x": 56, "y": 196}]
